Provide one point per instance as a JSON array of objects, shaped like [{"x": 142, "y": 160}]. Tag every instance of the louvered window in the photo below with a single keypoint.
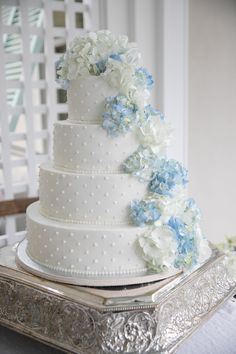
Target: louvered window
[{"x": 34, "y": 34}]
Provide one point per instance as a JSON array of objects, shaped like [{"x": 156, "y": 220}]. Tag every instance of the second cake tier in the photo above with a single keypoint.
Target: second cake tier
[
  {"x": 88, "y": 147},
  {"x": 87, "y": 198}
]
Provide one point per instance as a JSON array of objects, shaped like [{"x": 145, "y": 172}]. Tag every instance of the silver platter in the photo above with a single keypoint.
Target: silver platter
[
  {"x": 37, "y": 269},
  {"x": 78, "y": 320}
]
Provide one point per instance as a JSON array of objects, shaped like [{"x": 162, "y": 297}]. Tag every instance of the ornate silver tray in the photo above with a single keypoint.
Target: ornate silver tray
[
  {"x": 154, "y": 318},
  {"x": 35, "y": 268}
]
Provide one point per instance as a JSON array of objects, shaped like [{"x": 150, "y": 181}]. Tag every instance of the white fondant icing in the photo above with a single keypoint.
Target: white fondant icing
[
  {"x": 77, "y": 249},
  {"x": 89, "y": 148},
  {"x": 87, "y": 199},
  {"x": 86, "y": 98}
]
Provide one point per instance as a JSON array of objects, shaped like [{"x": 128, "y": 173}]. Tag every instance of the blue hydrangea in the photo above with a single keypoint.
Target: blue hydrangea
[
  {"x": 63, "y": 83},
  {"x": 99, "y": 67},
  {"x": 144, "y": 78},
  {"x": 141, "y": 163},
  {"x": 120, "y": 116},
  {"x": 187, "y": 249},
  {"x": 167, "y": 175},
  {"x": 144, "y": 212},
  {"x": 115, "y": 56}
]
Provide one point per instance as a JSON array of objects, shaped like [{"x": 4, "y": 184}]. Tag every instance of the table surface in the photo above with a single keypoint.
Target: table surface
[{"x": 216, "y": 336}]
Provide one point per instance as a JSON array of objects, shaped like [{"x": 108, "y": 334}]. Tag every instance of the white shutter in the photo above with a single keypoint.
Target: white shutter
[{"x": 34, "y": 33}]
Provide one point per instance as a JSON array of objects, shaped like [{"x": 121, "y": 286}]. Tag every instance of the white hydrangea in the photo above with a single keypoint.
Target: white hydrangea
[
  {"x": 159, "y": 248},
  {"x": 203, "y": 248},
  {"x": 132, "y": 56},
  {"x": 112, "y": 57},
  {"x": 94, "y": 47},
  {"x": 97, "y": 46},
  {"x": 170, "y": 206},
  {"x": 121, "y": 75},
  {"x": 157, "y": 134},
  {"x": 139, "y": 95},
  {"x": 190, "y": 216}
]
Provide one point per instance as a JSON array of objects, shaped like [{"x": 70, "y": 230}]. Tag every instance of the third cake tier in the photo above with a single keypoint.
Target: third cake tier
[{"x": 87, "y": 198}]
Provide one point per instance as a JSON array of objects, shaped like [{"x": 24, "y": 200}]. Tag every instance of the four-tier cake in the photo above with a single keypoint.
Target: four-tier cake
[{"x": 111, "y": 202}]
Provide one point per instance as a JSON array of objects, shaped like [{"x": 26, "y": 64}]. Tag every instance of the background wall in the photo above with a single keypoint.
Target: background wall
[{"x": 212, "y": 113}]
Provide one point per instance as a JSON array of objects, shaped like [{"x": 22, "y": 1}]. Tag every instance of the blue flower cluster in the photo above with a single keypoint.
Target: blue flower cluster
[
  {"x": 144, "y": 77},
  {"x": 120, "y": 116},
  {"x": 140, "y": 163},
  {"x": 64, "y": 84},
  {"x": 144, "y": 212},
  {"x": 187, "y": 250},
  {"x": 167, "y": 175}
]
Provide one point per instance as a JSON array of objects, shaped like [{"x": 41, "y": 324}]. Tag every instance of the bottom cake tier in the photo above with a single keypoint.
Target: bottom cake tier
[{"x": 83, "y": 250}]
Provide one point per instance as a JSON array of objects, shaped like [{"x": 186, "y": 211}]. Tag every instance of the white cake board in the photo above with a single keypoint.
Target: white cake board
[{"x": 35, "y": 268}]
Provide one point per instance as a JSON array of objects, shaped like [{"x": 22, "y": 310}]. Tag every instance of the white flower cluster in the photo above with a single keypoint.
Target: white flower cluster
[
  {"x": 159, "y": 248},
  {"x": 95, "y": 47},
  {"x": 112, "y": 57},
  {"x": 84, "y": 51},
  {"x": 185, "y": 209},
  {"x": 170, "y": 205},
  {"x": 157, "y": 134},
  {"x": 204, "y": 250},
  {"x": 121, "y": 75}
]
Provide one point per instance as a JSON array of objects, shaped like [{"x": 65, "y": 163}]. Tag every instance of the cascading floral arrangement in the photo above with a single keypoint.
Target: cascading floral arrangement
[{"x": 172, "y": 236}]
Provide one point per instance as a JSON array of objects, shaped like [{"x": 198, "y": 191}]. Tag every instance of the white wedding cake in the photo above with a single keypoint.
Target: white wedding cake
[{"x": 111, "y": 202}]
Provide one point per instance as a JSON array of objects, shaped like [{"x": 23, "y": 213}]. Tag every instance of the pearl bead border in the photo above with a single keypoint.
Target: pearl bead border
[
  {"x": 80, "y": 222},
  {"x": 82, "y": 121},
  {"x": 87, "y": 273},
  {"x": 85, "y": 172},
  {"x": 69, "y": 122}
]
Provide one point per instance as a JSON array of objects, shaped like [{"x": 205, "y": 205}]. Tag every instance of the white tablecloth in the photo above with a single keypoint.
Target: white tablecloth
[{"x": 216, "y": 336}]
